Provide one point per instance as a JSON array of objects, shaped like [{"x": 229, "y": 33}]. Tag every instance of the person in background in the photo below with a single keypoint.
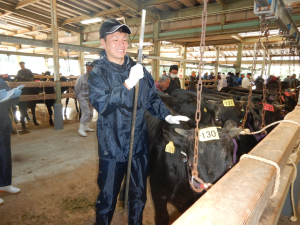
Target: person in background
[
  {"x": 175, "y": 82},
  {"x": 112, "y": 85},
  {"x": 230, "y": 79},
  {"x": 210, "y": 76},
  {"x": 272, "y": 80},
  {"x": 287, "y": 79},
  {"x": 259, "y": 79},
  {"x": 222, "y": 82},
  {"x": 24, "y": 73},
  {"x": 164, "y": 73},
  {"x": 239, "y": 81},
  {"x": 292, "y": 80},
  {"x": 205, "y": 76},
  {"x": 163, "y": 83},
  {"x": 193, "y": 82},
  {"x": 246, "y": 81},
  {"x": 5, "y": 140},
  {"x": 82, "y": 94},
  {"x": 219, "y": 75}
]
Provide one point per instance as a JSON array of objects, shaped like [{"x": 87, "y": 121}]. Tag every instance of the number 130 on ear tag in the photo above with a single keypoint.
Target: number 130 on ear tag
[
  {"x": 207, "y": 134},
  {"x": 228, "y": 102}
]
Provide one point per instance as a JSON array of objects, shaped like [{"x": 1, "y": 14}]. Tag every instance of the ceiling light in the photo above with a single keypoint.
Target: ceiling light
[
  {"x": 3, "y": 22},
  {"x": 93, "y": 20}
]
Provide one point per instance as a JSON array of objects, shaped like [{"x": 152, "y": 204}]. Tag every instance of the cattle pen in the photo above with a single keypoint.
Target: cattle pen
[{"x": 217, "y": 133}]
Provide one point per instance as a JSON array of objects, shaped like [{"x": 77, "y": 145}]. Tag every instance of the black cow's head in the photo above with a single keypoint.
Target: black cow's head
[
  {"x": 214, "y": 157},
  {"x": 221, "y": 113}
]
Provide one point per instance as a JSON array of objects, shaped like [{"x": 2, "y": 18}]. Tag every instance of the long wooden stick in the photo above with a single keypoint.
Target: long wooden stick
[{"x": 136, "y": 95}]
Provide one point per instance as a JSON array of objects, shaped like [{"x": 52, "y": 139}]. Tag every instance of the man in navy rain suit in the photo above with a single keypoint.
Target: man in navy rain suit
[
  {"x": 5, "y": 144},
  {"x": 111, "y": 84}
]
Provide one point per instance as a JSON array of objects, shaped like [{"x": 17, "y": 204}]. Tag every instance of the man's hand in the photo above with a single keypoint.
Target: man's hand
[
  {"x": 176, "y": 119},
  {"x": 17, "y": 93},
  {"x": 136, "y": 73},
  {"x": 2, "y": 94}
]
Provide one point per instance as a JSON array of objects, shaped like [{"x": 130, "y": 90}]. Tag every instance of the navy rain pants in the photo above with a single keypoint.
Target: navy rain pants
[
  {"x": 5, "y": 161},
  {"x": 110, "y": 177}
]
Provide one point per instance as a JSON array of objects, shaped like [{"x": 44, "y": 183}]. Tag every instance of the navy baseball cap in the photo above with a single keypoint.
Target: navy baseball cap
[
  {"x": 89, "y": 63},
  {"x": 110, "y": 26}
]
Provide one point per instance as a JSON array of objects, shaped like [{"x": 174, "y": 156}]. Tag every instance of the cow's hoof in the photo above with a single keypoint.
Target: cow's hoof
[
  {"x": 36, "y": 123},
  {"x": 28, "y": 119},
  {"x": 23, "y": 127},
  {"x": 52, "y": 124},
  {"x": 120, "y": 205}
]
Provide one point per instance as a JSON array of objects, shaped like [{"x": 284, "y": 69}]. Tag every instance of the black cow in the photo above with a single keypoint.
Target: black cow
[{"x": 170, "y": 174}]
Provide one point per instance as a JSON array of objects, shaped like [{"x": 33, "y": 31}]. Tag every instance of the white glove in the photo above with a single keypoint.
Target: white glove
[
  {"x": 176, "y": 119},
  {"x": 136, "y": 73}
]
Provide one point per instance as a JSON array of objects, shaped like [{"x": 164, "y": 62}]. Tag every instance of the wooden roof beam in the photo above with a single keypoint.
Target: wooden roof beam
[
  {"x": 39, "y": 18},
  {"x": 136, "y": 8},
  {"x": 97, "y": 14},
  {"x": 25, "y": 3}
]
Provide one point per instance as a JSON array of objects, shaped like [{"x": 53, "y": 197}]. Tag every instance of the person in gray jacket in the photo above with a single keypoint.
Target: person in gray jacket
[{"x": 82, "y": 94}]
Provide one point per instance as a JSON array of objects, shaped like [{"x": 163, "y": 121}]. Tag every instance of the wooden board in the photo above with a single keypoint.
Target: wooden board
[
  {"x": 241, "y": 196},
  {"x": 46, "y": 97},
  {"x": 41, "y": 84}
]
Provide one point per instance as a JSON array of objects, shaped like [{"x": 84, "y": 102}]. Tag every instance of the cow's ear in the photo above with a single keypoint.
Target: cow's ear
[
  {"x": 188, "y": 134},
  {"x": 242, "y": 103},
  {"x": 214, "y": 102}
]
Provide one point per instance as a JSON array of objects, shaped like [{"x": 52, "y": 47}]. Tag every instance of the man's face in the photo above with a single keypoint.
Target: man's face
[
  {"x": 193, "y": 74},
  {"x": 174, "y": 72},
  {"x": 164, "y": 73},
  {"x": 89, "y": 69},
  {"x": 248, "y": 76},
  {"x": 165, "y": 84},
  {"x": 22, "y": 65},
  {"x": 115, "y": 46},
  {"x": 243, "y": 76}
]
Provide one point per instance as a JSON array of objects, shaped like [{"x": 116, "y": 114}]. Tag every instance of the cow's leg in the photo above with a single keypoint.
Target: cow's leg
[
  {"x": 33, "y": 115},
  {"x": 67, "y": 102},
  {"x": 26, "y": 115},
  {"x": 75, "y": 100},
  {"x": 50, "y": 112},
  {"x": 160, "y": 201},
  {"x": 23, "y": 111}
]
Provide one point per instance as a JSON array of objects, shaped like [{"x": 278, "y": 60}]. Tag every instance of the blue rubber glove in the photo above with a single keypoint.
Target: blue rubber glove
[
  {"x": 17, "y": 92},
  {"x": 2, "y": 94}
]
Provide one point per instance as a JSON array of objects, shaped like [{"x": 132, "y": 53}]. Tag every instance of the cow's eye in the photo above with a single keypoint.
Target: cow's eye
[
  {"x": 217, "y": 120},
  {"x": 258, "y": 124},
  {"x": 241, "y": 121}
]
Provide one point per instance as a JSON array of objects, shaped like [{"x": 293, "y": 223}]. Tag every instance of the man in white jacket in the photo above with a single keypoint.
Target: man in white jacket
[
  {"x": 246, "y": 81},
  {"x": 82, "y": 94}
]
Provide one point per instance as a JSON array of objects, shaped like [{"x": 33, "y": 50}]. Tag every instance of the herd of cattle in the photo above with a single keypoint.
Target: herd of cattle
[{"x": 170, "y": 172}]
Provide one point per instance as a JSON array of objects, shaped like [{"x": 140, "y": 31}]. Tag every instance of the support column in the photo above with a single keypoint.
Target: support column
[
  {"x": 156, "y": 50},
  {"x": 46, "y": 63},
  {"x": 80, "y": 39},
  {"x": 239, "y": 58},
  {"x": 263, "y": 65},
  {"x": 58, "y": 119},
  {"x": 217, "y": 61},
  {"x": 182, "y": 67},
  {"x": 252, "y": 71},
  {"x": 269, "y": 67}
]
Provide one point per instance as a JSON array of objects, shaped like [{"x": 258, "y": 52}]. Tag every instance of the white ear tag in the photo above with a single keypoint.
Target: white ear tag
[{"x": 207, "y": 134}]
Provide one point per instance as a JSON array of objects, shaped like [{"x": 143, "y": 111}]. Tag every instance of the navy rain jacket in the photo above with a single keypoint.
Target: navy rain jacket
[{"x": 114, "y": 103}]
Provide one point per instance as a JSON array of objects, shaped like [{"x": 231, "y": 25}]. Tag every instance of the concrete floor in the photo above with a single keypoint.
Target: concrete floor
[{"x": 57, "y": 172}]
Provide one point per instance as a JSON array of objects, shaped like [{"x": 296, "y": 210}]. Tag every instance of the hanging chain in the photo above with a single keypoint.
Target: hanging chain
[
  {"x": 294, "y": 74},
  {"x": 248, "y": 107},
  {"x": 265, "y": 28},
  {"x": 254, "y": 69},
  {"x": 281, "y": 59},
  {"x": 199, "y": 89},
  {"x": 290, "y": 83}
]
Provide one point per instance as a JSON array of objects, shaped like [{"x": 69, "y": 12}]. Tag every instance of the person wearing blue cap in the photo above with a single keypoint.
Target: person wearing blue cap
[
  {"x": 112, "y": 83},
  {"x": 5, "y": 143},
  {"x": 82, "y": 94}
]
